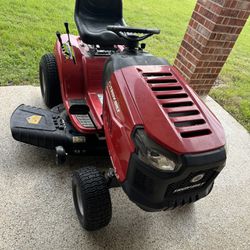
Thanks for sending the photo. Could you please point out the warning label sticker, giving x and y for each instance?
(34, 119)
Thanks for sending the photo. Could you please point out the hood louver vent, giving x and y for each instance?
(167, 88)
(185, 113)
(176, 102)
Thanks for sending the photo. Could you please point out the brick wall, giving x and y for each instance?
(211, 34)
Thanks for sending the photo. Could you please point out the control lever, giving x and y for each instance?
(67, 48)
(58, 34)
(66, 24)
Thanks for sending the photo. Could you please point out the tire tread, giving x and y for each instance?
(97, 207)
(53, 95)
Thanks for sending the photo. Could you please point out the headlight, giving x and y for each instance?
(152, 154)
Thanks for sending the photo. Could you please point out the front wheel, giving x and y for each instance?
(91, 198)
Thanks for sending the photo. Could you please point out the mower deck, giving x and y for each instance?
(49, 129)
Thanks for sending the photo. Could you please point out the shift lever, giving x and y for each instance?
(66, 24)
(58, 34)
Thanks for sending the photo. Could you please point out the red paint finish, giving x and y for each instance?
(154, 109)
(157, 98)
(81, 81)
(119, 122)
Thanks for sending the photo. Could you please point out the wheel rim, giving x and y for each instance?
(43, 84)
(79, 200)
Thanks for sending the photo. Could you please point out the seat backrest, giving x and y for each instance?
(103, 9)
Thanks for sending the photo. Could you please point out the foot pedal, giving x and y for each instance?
(81, 111)
(85, 121)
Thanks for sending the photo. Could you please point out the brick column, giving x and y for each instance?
(211, 34)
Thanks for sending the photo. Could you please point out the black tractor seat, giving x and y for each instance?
(92, 18)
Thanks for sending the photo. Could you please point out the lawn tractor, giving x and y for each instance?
(106, 94)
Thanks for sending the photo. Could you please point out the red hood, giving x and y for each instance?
(172, 114)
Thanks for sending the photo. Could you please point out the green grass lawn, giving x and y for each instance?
(27, 31)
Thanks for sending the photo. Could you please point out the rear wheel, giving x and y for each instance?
(49, 81)
(91, 198)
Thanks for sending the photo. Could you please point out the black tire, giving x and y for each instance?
(49, 81)
(91, 198)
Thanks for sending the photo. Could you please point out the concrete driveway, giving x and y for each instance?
(36, 208)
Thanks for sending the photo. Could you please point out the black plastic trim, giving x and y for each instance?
(151, 191)
(51, 131)
(126, 59)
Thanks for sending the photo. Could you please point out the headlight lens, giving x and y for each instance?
(152, 154)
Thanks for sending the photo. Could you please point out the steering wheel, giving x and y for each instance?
(128, 33)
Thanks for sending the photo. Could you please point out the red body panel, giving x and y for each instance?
(133, 98)
(159, 125)
(81, 81)
(119, 122)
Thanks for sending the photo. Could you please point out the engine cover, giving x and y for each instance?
(158, 99)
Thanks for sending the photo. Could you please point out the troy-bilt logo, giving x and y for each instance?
(188, 188)
(112, 93)
(197, 178)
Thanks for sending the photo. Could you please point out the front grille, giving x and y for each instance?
(186, 185)
(177, 104)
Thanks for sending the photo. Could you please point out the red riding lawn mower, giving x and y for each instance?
(106, 94)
